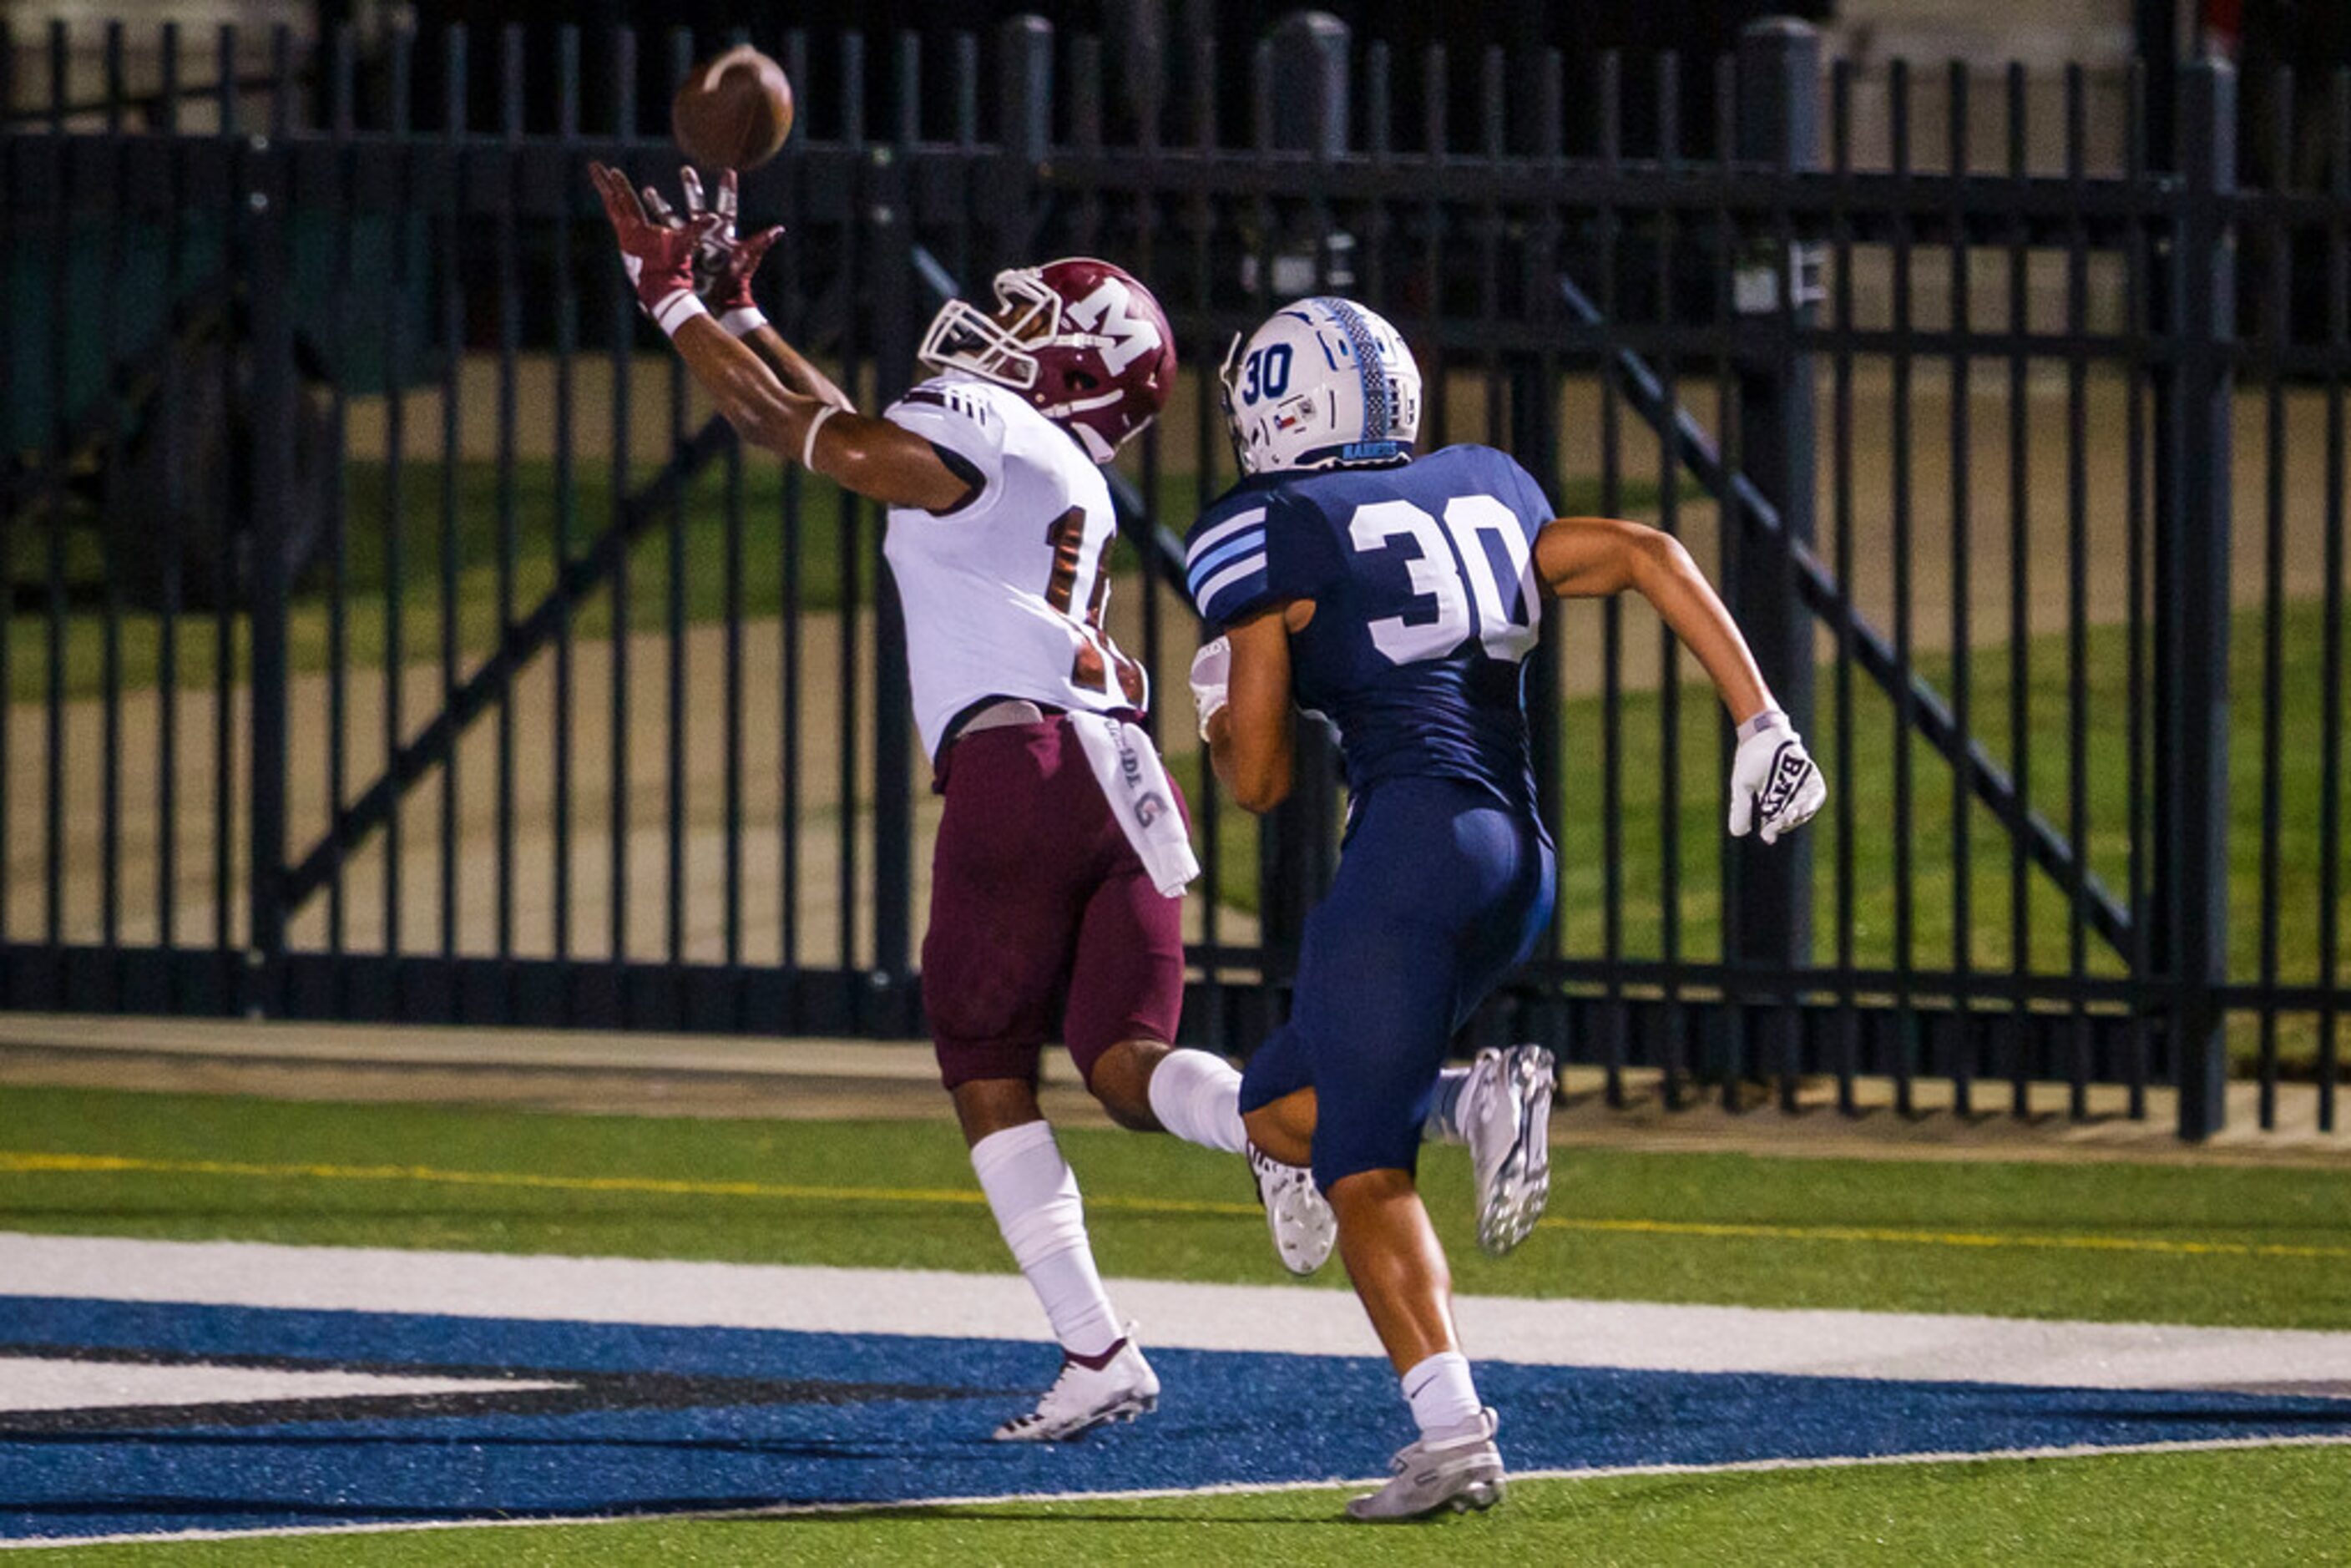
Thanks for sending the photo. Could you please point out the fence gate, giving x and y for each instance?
(392, 632)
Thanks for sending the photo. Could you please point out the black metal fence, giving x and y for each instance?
(391, 632)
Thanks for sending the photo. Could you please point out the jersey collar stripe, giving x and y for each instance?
(1239, 571)
(1253, 517)
(1252, 540)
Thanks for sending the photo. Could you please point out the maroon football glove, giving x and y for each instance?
(659, 256)
(723, 263)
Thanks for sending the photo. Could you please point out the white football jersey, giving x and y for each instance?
(1005, 595)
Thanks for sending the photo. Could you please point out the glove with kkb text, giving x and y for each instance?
(1774, 784)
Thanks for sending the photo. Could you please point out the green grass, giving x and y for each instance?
(1914, 1236)
(1923, 1227)
(2256, 1507)
(2036, 1211)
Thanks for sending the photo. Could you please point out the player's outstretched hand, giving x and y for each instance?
(658, 254)
(1774, 784)
(724, 264)
(1212, 671)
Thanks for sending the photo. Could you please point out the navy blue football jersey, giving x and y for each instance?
(1425, 606)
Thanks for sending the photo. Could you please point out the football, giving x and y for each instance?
(734, 111)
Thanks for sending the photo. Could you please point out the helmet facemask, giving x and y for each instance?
(963, 337)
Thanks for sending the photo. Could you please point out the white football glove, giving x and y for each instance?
(1212, 668)
(1774, 783)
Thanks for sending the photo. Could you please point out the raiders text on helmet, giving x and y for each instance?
(1324, 383)
(1083, 340)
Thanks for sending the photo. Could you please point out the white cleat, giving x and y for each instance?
(1084, 1398)
(1460, 1470)
(1507, 1116)
(1296, 1212)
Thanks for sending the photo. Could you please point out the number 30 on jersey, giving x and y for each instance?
(1444, 553)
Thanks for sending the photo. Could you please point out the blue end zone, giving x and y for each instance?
(679, 1419)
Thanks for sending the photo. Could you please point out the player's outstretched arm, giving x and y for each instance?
(1593, 558)
(1249, 736)
(871, 457)
(1773, 781)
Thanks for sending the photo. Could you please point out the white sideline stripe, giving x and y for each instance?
(1290, 1320)
(43, 1383)
(1223, 1489)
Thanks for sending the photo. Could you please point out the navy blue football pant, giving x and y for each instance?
(1441, 891)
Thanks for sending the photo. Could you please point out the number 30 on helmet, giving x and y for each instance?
(1322, 384)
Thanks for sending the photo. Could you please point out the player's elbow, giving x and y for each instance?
(1261, 794)
(1259, 782)
(1657, 556)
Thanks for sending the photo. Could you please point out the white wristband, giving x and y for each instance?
(1761, 722)
(807, 441)
(743, 320)
(678, 309)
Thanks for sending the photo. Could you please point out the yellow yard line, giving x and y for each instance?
(27, 1163)
(100, 1165)
(1943, 1237)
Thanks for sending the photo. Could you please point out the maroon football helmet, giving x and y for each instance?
(1081, 339)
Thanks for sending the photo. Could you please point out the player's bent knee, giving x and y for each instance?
(1120, 1078)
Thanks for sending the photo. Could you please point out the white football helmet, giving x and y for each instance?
(1323, 384)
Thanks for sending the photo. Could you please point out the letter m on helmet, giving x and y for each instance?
(1109, 312)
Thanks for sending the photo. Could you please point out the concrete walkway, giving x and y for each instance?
(692, 1075)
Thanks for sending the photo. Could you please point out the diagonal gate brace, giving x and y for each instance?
(1827, 599)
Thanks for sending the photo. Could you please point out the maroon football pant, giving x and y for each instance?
(1038, 905)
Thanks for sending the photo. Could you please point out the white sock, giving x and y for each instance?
(1444, 1122)
(1034, 1195)
(1441, 1394)
(1196, 1095)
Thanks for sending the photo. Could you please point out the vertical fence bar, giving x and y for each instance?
(1778, 124)
(851, 511)
(2192, 598)
(2330, 768)
(893, 756)
(167, 653)
(111, 654)
(675, 782)
(567, 500)
(1848, 1058)
(55, 151)
(2276, 335)
(509, 285)
(1905, 718)
(1963, 1039)
(2020, 621)
(1727, 1033)
(1616, 1032)
(1672, 1048)
(342, 84)
(8, 355)
(225, 588)
(453, 360)
(2077, 604)
(262, 244)
(2139, 325)
(621, 325)
(793, 593)
(395, 520)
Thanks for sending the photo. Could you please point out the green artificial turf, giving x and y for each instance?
(2076, 1241)
(2253, 1507)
